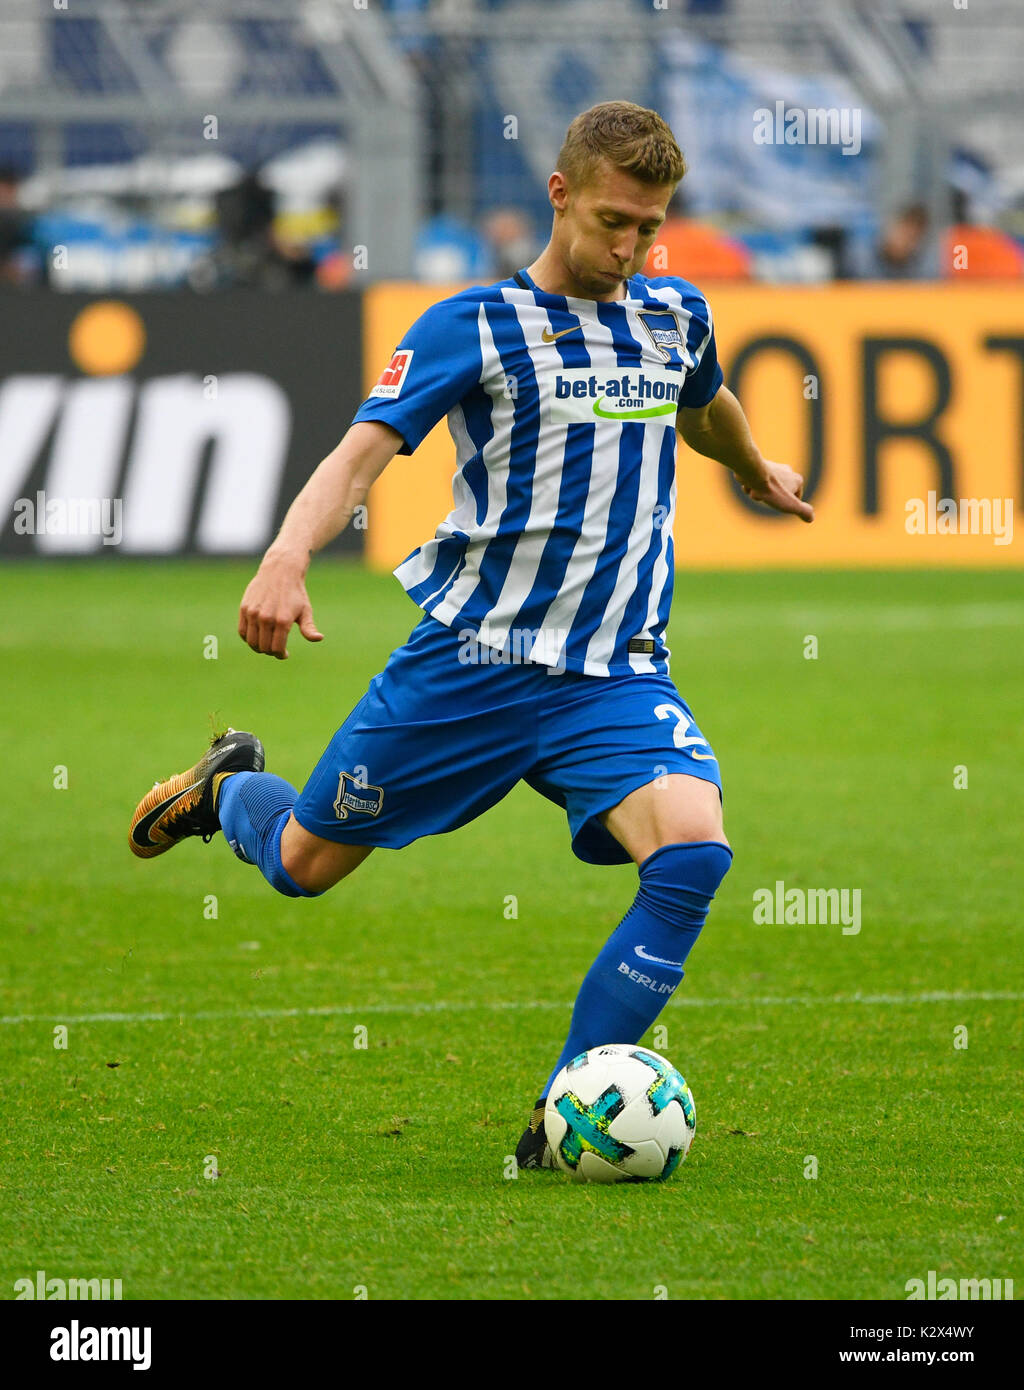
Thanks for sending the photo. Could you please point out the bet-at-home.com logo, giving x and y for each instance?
(579, 395)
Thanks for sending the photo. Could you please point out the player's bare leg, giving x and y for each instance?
(314, 863)
(674, 809)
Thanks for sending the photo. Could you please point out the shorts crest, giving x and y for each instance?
(356, 795)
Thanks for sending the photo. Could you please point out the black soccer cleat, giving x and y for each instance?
(533, 1150)
(187, 804)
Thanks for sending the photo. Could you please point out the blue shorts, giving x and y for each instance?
(446, 730)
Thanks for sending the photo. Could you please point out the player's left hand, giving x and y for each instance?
(781, 490)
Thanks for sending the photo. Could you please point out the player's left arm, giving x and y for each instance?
(719, 430)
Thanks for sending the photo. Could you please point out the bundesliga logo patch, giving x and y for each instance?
(393, 375)
(354, 795)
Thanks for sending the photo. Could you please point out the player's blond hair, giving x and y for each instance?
(632, 138)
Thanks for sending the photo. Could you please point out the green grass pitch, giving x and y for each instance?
(197, 1042)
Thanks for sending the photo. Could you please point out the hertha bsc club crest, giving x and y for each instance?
(663, 329)
(354, 795)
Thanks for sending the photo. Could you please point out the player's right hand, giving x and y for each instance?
(275, 599)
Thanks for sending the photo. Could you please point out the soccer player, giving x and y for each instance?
(541, 653)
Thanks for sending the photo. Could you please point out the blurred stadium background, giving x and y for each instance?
(216, 220)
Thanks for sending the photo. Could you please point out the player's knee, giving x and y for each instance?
(311, 882)
(289, 876)
(310, 865)
(691, 868)
(697, 818)
(313, 869)
(708, 831)
(304, 879)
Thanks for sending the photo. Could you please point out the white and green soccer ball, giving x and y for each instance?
(619, 1113)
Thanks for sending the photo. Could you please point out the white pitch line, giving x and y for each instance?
(358, 1010)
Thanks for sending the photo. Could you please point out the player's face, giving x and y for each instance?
(606, 227)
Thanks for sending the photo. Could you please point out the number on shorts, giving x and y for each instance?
(680, 738)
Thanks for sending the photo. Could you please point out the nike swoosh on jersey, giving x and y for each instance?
(657, 960)
(140, 831)
(549, 337)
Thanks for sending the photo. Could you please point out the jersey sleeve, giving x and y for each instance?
(437, 361)
(702, 384)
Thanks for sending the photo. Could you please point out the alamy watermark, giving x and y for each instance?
(967, 516)
(52, 1289)
(827, 907)
(69, 516)
(944, 1289)
(78, 1343)
(815, 125)
(503, 646)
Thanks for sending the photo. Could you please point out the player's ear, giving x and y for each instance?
(558, 191)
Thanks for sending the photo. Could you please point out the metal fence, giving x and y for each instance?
(379, 126)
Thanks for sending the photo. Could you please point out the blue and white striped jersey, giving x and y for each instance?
(562, 410)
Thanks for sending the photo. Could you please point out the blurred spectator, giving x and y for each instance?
(903, 249)
(832, 242)
(19, 265)
(248, 251)
(447, 251)
(695, 250)
(334, 270)
(983, 253)
(510, 236)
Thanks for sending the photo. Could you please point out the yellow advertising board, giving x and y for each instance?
(902, 405)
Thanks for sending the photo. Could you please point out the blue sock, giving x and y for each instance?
(641, 963)
(253, 809)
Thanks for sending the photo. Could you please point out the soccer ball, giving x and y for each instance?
(619, 1113)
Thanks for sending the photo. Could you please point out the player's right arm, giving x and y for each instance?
(437, 361)
(276, 597)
